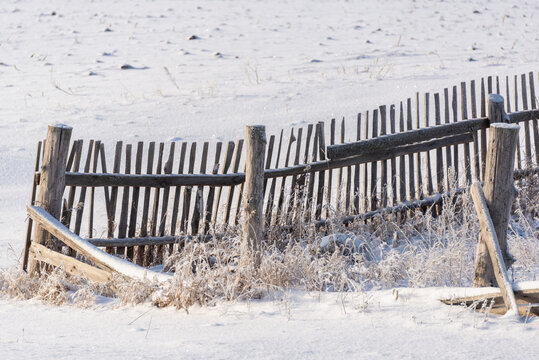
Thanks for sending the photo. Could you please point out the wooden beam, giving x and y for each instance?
(72, 266)
(97, 256)
(488, 236)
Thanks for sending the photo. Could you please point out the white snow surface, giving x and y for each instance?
(277, 63)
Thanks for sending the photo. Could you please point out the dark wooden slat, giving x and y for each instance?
(483, 132)
(366, 190)
(347, 180)
(104, 170)
(448, 153)
(527, 133)
(309, 201)
(393, 160)
(419, 175)
(271, 190)
(454, 107)
(95, 161)
(327, 192)
(280, 211)
(237, 160)
(177, 192)
(228, 161)
(427, 154)
(374, 166)
(198, 207)
(402, 161)
(518, 159)
(464, 113)
(157, 193)
(146, 204)
(187, 191)
(534, 121)
(138, 250)
(439, 154)
(383, 164)
(124, 210)
(167, 169)
(302, 179)
(72, 189)
(82, 195)
(476, 160)
(356, 190)
(411, 172)
(294, 193)
(211, 192)
(321, 173)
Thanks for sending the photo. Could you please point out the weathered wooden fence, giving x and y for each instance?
(147, 198)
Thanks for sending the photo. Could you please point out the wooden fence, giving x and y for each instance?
(148, 198)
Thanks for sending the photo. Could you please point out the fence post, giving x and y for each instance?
(498, 188)
(52, 180)
(253, 198)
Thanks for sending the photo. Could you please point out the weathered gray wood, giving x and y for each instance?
(464, 114)
(228, 162)
(483, 132)
(188, 190)
(237, 160)
(152, 240)
(177, 192)
(267, 189)
(294, 193)
(499, 194)
(146, 206)
(309, 199)
(137, 251)
(157, 195)
(476, 159)
(97, 256)
(113, 192)
(254, 196)
(356, 189)
(366, 169)
(383, 163)
(456, 148)
(419, 175)
(124, 209)
(402, 163)
(29, 228)
(322, 172)
(448, 153)
(198, 206)
(393, 160)
(71, 265)
(430, 188)
(97, 146)
(439, 154)
(211, 192)
(508, 100)
(280, 210)
(103, 170)
(327, 192)
(526, 125)
(373, 195)
(411, 172)
(489, 237)
(304, 180)
(408, 137)
(52, 180)
(535, 120)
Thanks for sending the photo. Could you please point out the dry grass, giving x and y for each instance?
(424, 250)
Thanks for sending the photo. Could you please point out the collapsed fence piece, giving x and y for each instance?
(489, 238)
(52, 183)
(253, 197)
(498, 188)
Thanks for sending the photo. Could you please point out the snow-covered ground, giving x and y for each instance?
(278, 63)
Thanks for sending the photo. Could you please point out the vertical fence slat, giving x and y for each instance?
(508, 107)
(82, 195)
(237, 159)
(271, 193)
(187, 191)
(527, 135)
(95, 161)
(177, 192)
(294, 190)
(483, 132)
(72, 189)
(477, 166)
(439, 154)
(533, 103)
(321, 174)
(198, 207)
(411, 172)
(427, 153)
(464, 113)
(211, 192)
(124, 211)
(419, 175)
(146, 203)
(454, 107)
(448, 154)
(393, 160)
(356, 191)
(374, 166)
(114, 192)
(167, 169)
(228, 161)
(327, 195)
(366, 196)
(383, 163)
(137, 251)
(402, 162)
(280, 211)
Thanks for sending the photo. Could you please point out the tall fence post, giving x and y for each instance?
(52, 181)
(253, 198)
(498, 188)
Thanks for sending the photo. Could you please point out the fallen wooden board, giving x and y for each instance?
(91, 252)
(527, 301)
(72, 266)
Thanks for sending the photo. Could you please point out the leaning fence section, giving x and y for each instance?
(141, 201)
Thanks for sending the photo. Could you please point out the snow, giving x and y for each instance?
(275, 63)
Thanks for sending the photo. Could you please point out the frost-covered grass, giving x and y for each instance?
(420, 250)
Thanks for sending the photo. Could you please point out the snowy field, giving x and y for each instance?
(277, 63)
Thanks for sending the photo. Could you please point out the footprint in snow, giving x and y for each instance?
(130, 67)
